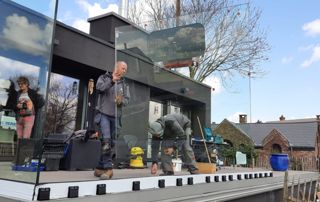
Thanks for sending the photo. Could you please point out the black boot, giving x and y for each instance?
(167, 173)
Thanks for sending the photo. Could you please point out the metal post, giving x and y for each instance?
(309, 192)
(304, 190)
(285, 187)
(292, 188)
(298, 189)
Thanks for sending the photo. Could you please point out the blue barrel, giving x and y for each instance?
(279, 162)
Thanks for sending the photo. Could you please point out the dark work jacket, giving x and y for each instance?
(174, 126)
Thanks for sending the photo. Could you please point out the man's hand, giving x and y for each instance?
(115, 77)
(154, 169)
(119, 99)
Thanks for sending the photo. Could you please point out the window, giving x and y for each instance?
(276, 148)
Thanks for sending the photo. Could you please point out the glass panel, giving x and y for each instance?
(153, 55)
(62, 105)
(26, 30)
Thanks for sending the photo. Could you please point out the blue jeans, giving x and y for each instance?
(107, 128)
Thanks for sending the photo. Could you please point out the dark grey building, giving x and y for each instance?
(83, 56)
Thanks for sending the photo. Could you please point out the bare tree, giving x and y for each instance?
(234, 42)
(61, 109)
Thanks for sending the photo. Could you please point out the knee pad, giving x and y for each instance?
(106, 148)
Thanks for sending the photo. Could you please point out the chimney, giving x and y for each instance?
(282, 118)
(318, 117)
(242, 118)
(103, 26)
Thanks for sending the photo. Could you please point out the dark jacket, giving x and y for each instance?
(176, 126)
(36, 99)
(106, 90)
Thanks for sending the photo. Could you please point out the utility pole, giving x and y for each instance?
(250, 98)
(178, 12)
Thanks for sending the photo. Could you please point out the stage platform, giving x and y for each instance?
(60, 185)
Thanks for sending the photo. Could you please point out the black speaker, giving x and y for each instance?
(81, 155)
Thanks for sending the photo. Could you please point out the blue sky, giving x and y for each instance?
(290, 87)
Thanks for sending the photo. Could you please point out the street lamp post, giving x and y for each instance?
(250, 107)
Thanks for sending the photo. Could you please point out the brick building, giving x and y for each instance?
(298, 138)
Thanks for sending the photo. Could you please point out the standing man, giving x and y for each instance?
(113, 94)
(173, 131)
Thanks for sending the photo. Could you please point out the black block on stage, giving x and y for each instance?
(43, 194)
(179, 181)
(190, 180)
(239, 177)
(101, 189)
(216, 178)
(271, 174)
(136, 185)
(224, 178)
(230, 178)
(260, 175)
(246, 176)
(73, 192)
(81, 155)
(256, 175)
(265, 174)
(161, 183)
(208, 180)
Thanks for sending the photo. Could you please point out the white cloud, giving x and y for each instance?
(312, 28)
(96, 9)
(286, 60)
(235, 117)
(215, 83)
(10, 67)
(82, 25)
(306, 48)
(25, 36)
(91, 10)
(314, 58)
(4, 84)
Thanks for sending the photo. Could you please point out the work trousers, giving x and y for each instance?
(183, 147)
(107, 128)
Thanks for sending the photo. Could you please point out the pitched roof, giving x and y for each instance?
(299, 134)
